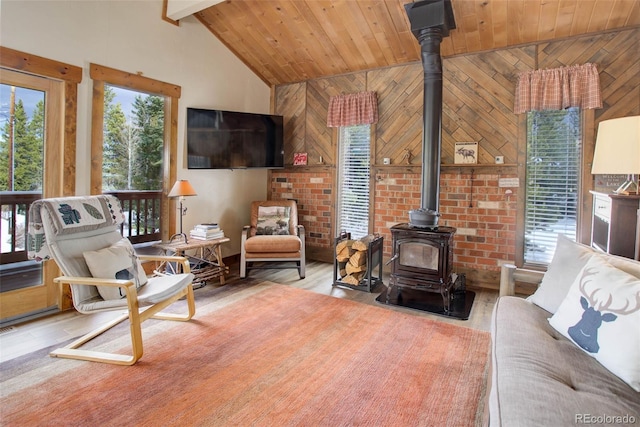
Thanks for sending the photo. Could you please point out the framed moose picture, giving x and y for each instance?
(465, 153)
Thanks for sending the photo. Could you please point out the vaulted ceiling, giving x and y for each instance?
(286, 41)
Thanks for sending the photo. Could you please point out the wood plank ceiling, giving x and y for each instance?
(286, 41)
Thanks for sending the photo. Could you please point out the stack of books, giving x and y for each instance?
(206, 232)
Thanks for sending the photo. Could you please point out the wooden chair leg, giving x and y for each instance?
(72, 350)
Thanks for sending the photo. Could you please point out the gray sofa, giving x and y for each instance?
(542, 378)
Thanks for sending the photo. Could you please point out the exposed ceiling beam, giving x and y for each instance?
(178, 9)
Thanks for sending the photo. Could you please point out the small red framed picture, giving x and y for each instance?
(299, 159)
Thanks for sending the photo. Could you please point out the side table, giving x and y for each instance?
(205, 257)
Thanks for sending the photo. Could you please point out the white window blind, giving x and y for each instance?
(353, 180)
(552, 182)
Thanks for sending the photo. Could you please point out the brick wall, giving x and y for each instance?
(313, 193)
(395, 195)
(485, 217)
(483, 213)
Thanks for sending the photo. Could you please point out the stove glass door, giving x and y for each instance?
(419, 255)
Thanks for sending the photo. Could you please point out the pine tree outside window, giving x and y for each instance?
(132, 155)
(133, 140)
(22, 141)
(554, 150)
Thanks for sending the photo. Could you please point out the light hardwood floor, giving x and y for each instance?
(55, 329)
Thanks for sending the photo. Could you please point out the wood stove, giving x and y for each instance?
(422, 250)
(422, 275)
(423, 259)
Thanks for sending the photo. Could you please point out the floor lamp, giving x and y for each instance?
(181, 189)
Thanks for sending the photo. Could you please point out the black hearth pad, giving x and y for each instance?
(429, 301)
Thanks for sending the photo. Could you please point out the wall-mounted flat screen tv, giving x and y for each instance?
(219, 139)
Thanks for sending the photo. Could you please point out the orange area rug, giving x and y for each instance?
(279, 357)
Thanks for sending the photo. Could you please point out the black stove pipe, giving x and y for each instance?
(430, 39)
(430, 21)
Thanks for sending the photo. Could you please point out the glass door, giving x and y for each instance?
(27, 119)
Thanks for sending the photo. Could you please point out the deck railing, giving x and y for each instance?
(142, 214)
(141, 209)
(15, 210)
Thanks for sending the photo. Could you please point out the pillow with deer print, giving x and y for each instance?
(601, 314)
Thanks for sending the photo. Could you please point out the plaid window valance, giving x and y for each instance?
(353, 109)
(558, 88)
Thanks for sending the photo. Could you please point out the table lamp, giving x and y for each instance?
(181, 189)
(618, 151)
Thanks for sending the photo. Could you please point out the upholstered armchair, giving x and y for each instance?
(274, 239)
(82, 235)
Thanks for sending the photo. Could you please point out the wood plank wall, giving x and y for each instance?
(478, 104)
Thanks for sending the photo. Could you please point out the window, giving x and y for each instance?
(132, 158)
(133, 131)
(552, 181)
(353, 180)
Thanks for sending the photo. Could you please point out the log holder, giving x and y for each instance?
(371, 279)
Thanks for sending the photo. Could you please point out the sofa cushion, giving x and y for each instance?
(568, 260)
(627, 265)
(540, 378)
(601, 314)
(117, 261)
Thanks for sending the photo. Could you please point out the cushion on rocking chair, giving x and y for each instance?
(118, 261)
(159, 288)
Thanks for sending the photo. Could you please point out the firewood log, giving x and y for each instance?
(358, 258)
(359, 246)
(343, 256)
(343, 250)
(350, 268)
(353, 279)
(343, 244)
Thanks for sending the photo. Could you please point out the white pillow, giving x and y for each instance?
(115, 262)
(601, 314)
(568, 260)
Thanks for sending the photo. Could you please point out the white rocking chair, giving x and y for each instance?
(82, 235)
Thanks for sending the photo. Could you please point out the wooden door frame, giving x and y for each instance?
(59, 176)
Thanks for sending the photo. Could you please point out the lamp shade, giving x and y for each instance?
(618, 147)
(182, 188)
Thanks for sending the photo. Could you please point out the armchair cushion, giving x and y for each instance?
(292, 213)
(273, 220)
(264, 245)
(117, 261)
